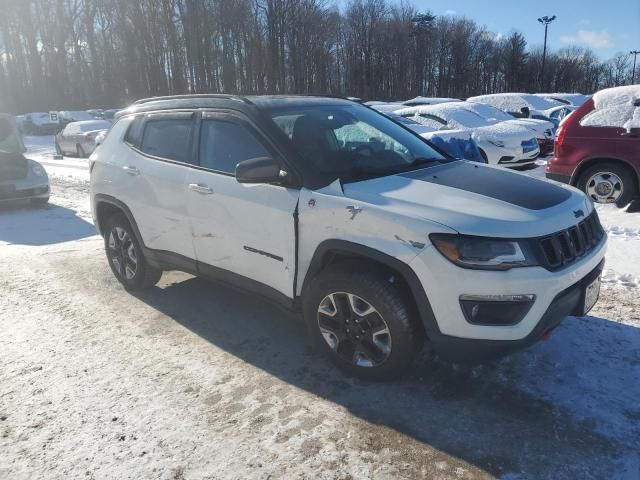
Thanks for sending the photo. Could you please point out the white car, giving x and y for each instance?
(375, 239)
(544, 130)
(80, 138)
(500, 144)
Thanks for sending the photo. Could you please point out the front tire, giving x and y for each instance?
(362, 322)
(125, 255)
(608, 183)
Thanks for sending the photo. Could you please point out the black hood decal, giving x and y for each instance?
(501, 184)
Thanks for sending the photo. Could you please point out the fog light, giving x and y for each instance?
(496, 309)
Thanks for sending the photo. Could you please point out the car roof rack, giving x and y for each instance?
(190, 97)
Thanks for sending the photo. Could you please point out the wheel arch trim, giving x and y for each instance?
(358, 251)
(101, 198)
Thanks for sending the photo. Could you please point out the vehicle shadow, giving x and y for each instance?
(514, 417)
(22, 224)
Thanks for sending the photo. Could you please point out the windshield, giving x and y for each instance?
(351, 142)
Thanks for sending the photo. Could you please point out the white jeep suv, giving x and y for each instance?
(381, 240)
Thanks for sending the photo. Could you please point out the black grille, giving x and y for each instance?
(566, 246)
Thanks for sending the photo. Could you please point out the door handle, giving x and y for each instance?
(200, 188)
(131, 170)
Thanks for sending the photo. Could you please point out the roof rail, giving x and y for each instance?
(187, 97)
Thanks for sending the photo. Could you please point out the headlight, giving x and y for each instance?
(38, 170)
(497, 143)
(482, 253)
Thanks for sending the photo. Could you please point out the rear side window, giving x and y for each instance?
(224, 144)
(167, 138)
(134, 134)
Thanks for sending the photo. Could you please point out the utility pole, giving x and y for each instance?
(545, 21)
(633, 73)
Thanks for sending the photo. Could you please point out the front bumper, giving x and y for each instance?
(453, 336)
(23, 192)
(567, 302)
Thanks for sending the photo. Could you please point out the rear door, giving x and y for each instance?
(154, 179)
(245, 229)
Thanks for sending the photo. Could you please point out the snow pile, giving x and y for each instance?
(615, 107)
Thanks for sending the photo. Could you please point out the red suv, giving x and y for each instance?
(603, 162)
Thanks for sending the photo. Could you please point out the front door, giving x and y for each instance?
(248, 230)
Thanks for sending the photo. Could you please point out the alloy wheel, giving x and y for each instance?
(604, 187)
(354, 329)
(123, 253)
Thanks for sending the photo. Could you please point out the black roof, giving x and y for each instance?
(178, 102)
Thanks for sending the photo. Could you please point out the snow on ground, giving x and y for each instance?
(192, 380)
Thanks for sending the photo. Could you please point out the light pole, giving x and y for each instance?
(545, 21)
(633, 73)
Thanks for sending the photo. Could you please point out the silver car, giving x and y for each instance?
(20, 178)
(79, 138)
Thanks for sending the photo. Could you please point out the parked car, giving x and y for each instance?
(457, 143)
(378, 240)
(558, 114)
(571, 99)
(20, 178)
(109, 114)
(598, 147)
(519, 105)
(41, 123)
(79, 138)
(67, 117)
(510, 146)
(544, 130)
(98, 113)
(384, 107)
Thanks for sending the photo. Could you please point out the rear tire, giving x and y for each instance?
(58, 149)
(80, 152)
(362, 322)
(608, 183)
(125, 255)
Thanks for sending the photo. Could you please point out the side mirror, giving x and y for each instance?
(259, 170)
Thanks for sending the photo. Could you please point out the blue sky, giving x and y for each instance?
(607, 26)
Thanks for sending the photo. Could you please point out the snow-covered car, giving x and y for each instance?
(572, 99)
(543, 129)
(41, 123)
(20, 178)
(457, 143)
(375, 238)
(598, 147)
(520, 105)
(558, 114)
(79, 138)
(499, 143)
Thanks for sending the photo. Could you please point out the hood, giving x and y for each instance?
(511, 135)
(476, 199)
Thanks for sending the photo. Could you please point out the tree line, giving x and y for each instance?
(73, 54)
